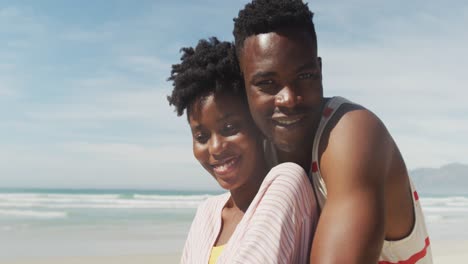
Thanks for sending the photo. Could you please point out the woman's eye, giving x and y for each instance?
(230, 129)
(201, 138)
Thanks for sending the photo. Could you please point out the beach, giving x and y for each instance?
(134, 226)
(132, 259)
(443, 252)
(447, 252)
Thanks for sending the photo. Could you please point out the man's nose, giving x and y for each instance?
(287, 97)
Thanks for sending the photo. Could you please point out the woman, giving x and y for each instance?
(266, 217)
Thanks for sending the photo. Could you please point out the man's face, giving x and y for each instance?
(283, 80)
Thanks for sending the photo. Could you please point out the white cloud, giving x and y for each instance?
(110, 124)
(4, 67)
(8, 87)
(411, 74)
(138, 105)
(20, 20)
(135, 153)
(10, 13)
(81, 35)
(102, 165)
(419, 151)
(146, 64)
(5, 91)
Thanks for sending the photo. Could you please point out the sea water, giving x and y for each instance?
(40, 222)
(44, 223)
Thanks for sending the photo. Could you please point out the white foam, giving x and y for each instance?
(429, 201)
(173, 197)
(34, 214)
(111, 201)
(445, 205)
(446, 209)
(430, 218)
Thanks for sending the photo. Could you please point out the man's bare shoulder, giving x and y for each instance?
(355, 119)
(357, 141)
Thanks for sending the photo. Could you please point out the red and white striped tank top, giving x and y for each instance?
(412, 249)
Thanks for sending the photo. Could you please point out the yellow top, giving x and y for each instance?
(215, 252)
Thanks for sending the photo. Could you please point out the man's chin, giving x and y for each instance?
(287, 147)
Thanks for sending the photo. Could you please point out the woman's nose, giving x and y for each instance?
(216, 145)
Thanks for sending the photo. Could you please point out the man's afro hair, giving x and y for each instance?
(263, 16)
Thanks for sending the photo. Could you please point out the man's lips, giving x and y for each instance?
(225, 166)
(287, 120)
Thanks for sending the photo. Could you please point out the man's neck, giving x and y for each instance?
(301, 157)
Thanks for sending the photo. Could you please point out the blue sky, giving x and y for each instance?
(82, 84)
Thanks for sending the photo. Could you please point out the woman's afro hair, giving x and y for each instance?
(209, 67)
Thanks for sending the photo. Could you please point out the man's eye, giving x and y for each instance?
(264, 83)
(266, 86)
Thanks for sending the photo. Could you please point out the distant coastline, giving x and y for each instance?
(450, 179)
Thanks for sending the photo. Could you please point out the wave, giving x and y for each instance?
(448, 209)
(173, 197)
(34, 214)
(111, 201)
(23, 201)
(450, 201)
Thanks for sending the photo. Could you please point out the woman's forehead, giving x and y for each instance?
(218, 105)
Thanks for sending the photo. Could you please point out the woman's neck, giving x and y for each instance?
(242, 197)
(239, 202)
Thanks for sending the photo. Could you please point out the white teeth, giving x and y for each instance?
(224, 166)
(287, 121)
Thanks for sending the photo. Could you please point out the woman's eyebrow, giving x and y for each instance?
(226, 116)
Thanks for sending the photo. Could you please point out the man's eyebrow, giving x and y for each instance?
(307, 66)
(262, 74)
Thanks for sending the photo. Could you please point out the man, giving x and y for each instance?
(370, 212)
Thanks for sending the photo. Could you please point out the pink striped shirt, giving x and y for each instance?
(277, 227)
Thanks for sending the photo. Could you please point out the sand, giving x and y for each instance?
(444, 252)
(450, 252)
(140, 259)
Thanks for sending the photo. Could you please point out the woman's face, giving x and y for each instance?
(225, 140)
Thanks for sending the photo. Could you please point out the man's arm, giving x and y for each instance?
(354, 166)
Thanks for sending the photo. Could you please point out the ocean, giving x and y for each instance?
(45, 223)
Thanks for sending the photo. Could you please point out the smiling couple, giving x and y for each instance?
(310, 179)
